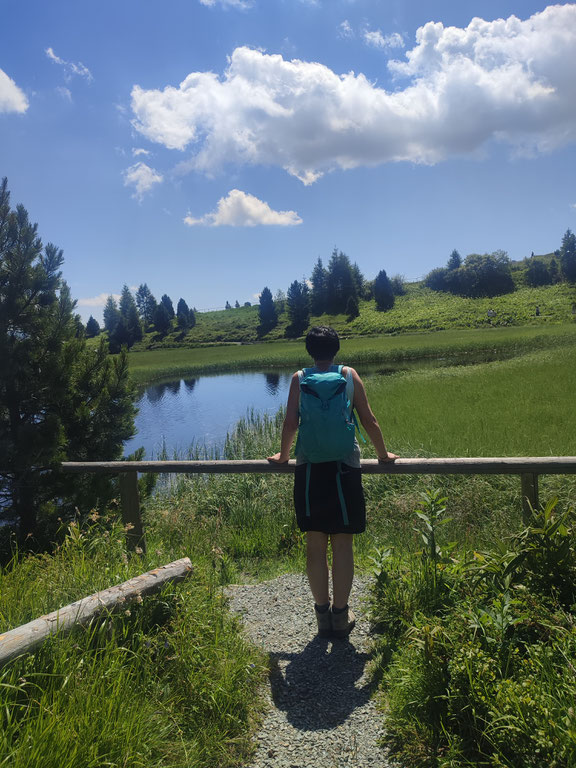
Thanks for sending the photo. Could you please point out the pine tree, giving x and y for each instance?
(340, 283)
(162, 321)
(129, 314)
(266, 312)
(146, 304)
(383, 293)
(46, 403)
(298, 303)
(166, 302)
(568, 256)
(352, 308)
(454, 261)
(92, 328)
(183, 314)
(318, 295)
(111, 315)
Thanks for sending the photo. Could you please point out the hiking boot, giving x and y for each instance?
(324, 620)
(343, 622)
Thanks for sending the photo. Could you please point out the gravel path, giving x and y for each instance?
(320, 713)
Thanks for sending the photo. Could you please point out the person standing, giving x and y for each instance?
(328, 494)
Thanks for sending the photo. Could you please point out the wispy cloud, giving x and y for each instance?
(241, 4)
(69, 67)
(137, 152)
(12, 98)
(240, 209)
(142, 178)
(506, 80)
(345, 30)
(376, 39)
(97, 301)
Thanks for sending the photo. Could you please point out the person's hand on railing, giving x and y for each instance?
(388, 458)
(278, 459)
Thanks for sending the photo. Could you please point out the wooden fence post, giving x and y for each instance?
(131, 511)
(529, 494)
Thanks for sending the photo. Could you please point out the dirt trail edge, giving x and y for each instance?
(320, 712)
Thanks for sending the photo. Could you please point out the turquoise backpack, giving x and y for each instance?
(327, 425)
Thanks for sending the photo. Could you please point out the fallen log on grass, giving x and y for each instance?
(28, 637)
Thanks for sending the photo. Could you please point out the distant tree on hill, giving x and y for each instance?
(568, 256)
(166, 302)
(298, 304)
(537, 273)
(454, 260)
(383, 293)
(247, 304)
(436, 279)
(359, 281)
(340, 283)
(398, 283)
(92, 328)
(182, 314)
(352, 308)
(59, 398)
(129, 314)
(280, 301)
(319, 289)
(111, 314)
(485, 275)
(162, 321)
(266, 312)
(554, 271)
(146, 304)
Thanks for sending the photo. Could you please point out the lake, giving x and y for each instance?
(202, 410)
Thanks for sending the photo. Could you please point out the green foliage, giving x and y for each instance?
(167, 681)
(568, 256)
(319, 288)
(341, 282)
(479, 678)
(166, 302)
(162, 321)
(537, 273)
(266, 312)
(352, 308)
(298, 304)
(146, 304)
(383, 292)
(92, 328)
(54, 389)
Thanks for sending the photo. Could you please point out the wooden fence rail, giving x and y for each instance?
(30, 636)
(529, 469)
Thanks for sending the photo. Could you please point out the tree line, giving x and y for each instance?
(491, 274)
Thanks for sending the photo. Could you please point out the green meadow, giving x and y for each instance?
(473, 611)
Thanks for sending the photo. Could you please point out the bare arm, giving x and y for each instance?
(368, 420)
(290, 426)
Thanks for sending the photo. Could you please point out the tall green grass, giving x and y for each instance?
(168, 681)
(150, 365)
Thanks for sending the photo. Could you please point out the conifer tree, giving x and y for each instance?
(92, 328)
(340, 283)
(298, 303)
(383, 293)
(182, 314)
(50, 381)
(166, 302)
(111, 315)
(318, 294)
(146, 304)
(568, 256)
(129, 314)
(266, 312)
(162, 321)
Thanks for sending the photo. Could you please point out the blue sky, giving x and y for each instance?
(211, 147)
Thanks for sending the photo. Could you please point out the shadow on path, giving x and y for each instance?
(318, 688)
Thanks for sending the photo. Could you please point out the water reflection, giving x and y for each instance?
(190, 384)
(272, 382)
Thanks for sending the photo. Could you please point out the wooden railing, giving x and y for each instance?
(528, 468)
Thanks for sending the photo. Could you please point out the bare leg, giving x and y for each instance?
(317, 566)
(342, 567)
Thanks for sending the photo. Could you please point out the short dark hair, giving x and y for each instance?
(322, 342)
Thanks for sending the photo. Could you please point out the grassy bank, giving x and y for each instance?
(420, 309)
(154, 365)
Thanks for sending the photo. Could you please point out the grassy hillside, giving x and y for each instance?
(421, 309)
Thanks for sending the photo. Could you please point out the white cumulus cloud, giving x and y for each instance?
(240, 209)
(142, 178)
(509, 80)
(12, 98)
(69, 67)
(97, 301)
(376, 39)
